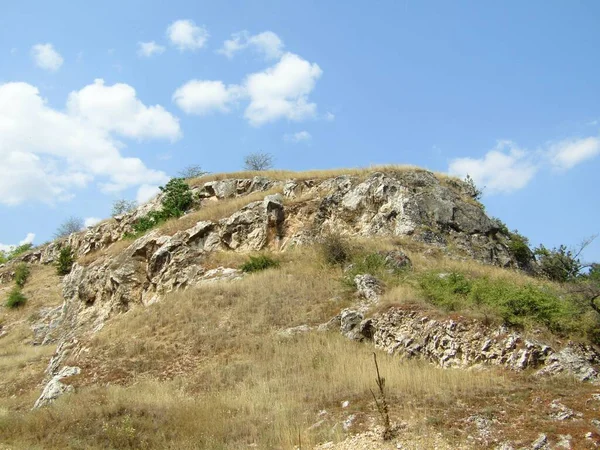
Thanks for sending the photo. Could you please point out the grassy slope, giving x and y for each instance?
(206, 369)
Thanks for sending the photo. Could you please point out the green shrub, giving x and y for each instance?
(21, 274)
(15, 299)
(19, 250)
(258, 263)
(335, 249)
(176, 201)
(177, 198)
(3, 257)
(515, 305)
(519, 248)
(65, 261)
(558, 264)
(372, 263)
(447, 290)
(475, 192)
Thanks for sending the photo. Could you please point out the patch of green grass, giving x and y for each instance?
(15, 299)
(523, 306)
(21, 274)
(258, 263)
(374, 264)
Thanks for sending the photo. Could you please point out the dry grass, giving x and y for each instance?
(43, 288)
(22, 364)
(21, 367)
(213, 211)
(206, 368)
(282, 175)
(265, 398)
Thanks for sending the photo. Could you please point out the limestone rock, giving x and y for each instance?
(461, 343)
(368, 287)
(55, 387)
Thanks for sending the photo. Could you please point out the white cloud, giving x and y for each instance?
(46, 57)
(568, 153)
(300, 136)
(504, 169)
(329, 116)
(91, 221)
(146, 192)
(117, 109)
(281, 91)
(149, 49)
(266, 43)
(186, 35)
(46, 153)
(27, 240)
(278, 92)
(238, 42)
(203, 96)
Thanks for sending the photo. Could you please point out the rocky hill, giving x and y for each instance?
(171, 334)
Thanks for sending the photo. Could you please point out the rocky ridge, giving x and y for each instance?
(413, 203)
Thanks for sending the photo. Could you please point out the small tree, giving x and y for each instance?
(177, 199)
(258, 161)
(475, 192)
(519, 247)
(123, 206)
(65, 261)
(192, 171)
(21, 274)
(558, 264)
(15, 299)
(68, 227)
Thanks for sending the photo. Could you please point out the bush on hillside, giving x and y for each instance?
(16, 299)
(335, 249)
(475, 192)
(516, 305)
(558, 264)
(519, 248)
(21, 274)
(177, 198)
(65, 261)
(258, 263)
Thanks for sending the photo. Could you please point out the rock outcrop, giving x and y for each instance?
(464, 343)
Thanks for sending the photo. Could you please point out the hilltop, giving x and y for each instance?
(242, 310)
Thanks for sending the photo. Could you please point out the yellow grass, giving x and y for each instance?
(206, 368)
(282, 175)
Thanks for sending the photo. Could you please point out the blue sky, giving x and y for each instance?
(107, 100)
